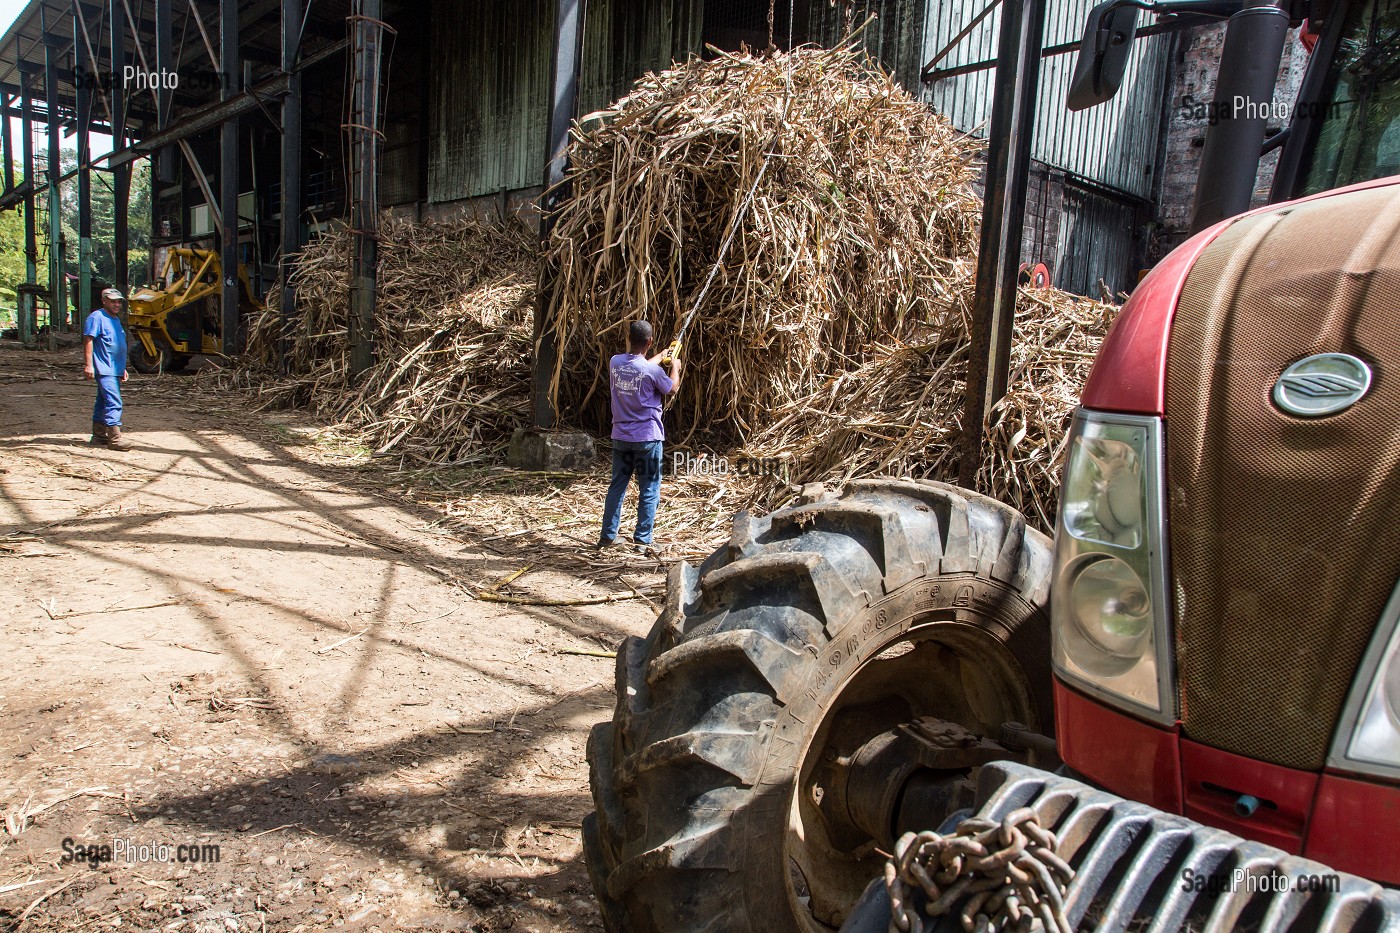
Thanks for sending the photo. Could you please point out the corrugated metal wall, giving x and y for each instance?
(402, 164)
(1115, 145)
(624, 39)
(1096, 243)
(490, 87)
(490, 93)
(895, 36)
(491, 64)
(1113, 150)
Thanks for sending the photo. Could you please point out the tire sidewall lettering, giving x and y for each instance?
(881, 624)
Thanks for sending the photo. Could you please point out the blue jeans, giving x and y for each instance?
(643, 460)
(108, 407)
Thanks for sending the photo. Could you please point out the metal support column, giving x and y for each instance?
(568, 52)
(83, 107)
(166, 158)
(8, 144)
(1009, 138)
(291, 170)
(364, 167)
(9, 157)
(121, 174)
(58, 293)
(28, 309)
(1244, 94)
(228, 174)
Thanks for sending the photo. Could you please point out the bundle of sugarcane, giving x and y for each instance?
(452, 337)
(317, 348)
(902, 412)
(850, 212)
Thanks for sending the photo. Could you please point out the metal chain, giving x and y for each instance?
(997, 876)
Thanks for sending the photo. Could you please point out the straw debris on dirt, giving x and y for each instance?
(452, 338)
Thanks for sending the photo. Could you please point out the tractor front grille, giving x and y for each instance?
(1284, 531)
(1138, 868)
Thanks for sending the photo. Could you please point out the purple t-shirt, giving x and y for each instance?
(637, 389)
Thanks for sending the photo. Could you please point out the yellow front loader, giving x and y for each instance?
(180, 317)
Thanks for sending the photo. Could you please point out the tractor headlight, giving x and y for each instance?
(1110, 609)
(1109, 601)
(1369, 737)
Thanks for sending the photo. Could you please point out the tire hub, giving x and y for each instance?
(862, 796)
(896, 751)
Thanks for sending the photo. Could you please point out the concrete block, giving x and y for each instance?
(548, 450)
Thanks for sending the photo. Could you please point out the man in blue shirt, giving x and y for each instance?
(104, 362)
(638, 386)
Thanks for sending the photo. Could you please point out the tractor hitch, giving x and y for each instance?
(890, 783)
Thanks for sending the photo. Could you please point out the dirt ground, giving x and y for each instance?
(235, 637)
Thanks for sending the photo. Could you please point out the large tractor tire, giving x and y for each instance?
(813, 630)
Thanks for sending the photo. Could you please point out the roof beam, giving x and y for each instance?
(192, 124)
(195, 123)
(80, 28)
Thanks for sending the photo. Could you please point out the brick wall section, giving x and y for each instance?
(1045, 202)
(1198, 58)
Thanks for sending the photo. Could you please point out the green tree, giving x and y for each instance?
(104, 253)
(139, 224)
(12, 260)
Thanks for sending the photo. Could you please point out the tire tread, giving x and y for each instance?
(698, 698)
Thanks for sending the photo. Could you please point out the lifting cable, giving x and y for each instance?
(770, 151)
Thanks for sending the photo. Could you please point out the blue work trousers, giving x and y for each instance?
(108, 408)
(641, 459)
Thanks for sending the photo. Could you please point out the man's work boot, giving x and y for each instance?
(114, 438)
(99, 434)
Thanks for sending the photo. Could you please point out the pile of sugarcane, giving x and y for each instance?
(848, 204)
(452, 338)
(902, 412)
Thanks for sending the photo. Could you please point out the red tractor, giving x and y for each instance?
(1195, 687)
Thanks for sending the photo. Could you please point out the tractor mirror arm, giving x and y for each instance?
(1109, 32)
(1219, 9)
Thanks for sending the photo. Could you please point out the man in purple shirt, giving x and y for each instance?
(638, 386)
